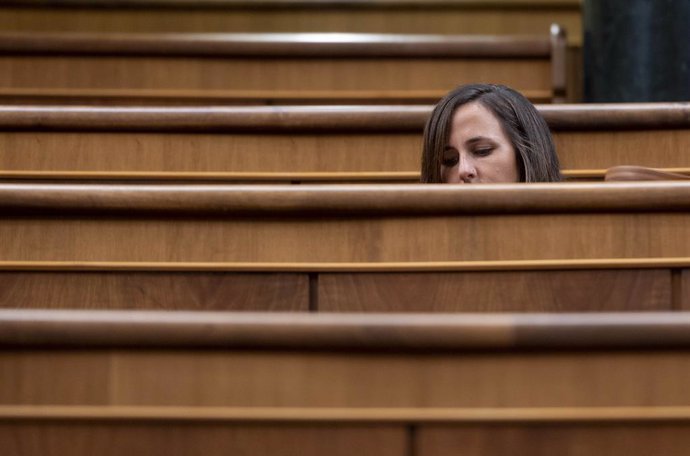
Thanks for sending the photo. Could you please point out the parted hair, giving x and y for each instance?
(527, 130)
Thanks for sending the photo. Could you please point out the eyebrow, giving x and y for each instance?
(477, 139)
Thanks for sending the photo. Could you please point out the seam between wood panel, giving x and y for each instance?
(313, 292)
(411, 440)
(676, 289)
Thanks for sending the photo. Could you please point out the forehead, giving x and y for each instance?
(474, 119)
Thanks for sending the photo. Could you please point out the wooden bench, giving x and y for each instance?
(307, 143)
(431, 248)
(277, 68)
(218, 383)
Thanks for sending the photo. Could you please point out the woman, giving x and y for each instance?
(484, 133)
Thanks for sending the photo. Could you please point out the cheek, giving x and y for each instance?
(504, 166)
(449, 175)
(511, 167)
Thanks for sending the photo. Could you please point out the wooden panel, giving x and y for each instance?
(355, 151)
(525, 291)
(451, 19)
(70, 438)
(604, 149)
(682, 282)
(155, 290)
(259, 152)
(354, 239)
(631, 439)
(225, 73)
(395, 152)
(64, 378)
(459, 378)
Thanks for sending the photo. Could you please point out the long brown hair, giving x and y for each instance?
(527, 130)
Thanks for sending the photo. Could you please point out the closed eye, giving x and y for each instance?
(483, 151)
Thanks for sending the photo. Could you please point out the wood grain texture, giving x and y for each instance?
(226, 98)
(601, 378)
(682, 281)
(341, 415)
(69, 438)
(379, 17)
(284, 45)
(358, 238)
(354, 240)
(417, 333)
(314, 4)
(537, 291)
(260, 152)
(305, 140)
(300, 75)
(244, 202)
(636, 439)
(607, 149)
(353, 118)
(155, 290)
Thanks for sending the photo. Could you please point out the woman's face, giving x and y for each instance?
(478, 150)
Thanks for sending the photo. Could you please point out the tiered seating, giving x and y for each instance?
(542, 247)
(447, 17)
(218, 383)
(313, 319)
(275, 68)
(305, 144)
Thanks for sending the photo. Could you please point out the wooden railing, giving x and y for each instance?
(275, 68)
(123, 381)
(305, 144)
(498, 17)
(552, 247)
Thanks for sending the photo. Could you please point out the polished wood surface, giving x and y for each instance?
(682, 289)
(431, 363)
(156, 290)
(641, 173)
(562, 117)
(460, 379)
(308, 143)
(153, 286)
(357, 224)
(84, 329)
(446, 17)
(170, 4)
(344, 248)
(333, 415)
(247, 202)
(636, 439)
(70, 379)
(510, 291)
(370, 64)
(154, 438)
(266, 45)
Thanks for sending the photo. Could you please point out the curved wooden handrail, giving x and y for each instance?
(573, 117)
(324, 45)
(218, 119)
(337, 200)
(332, 331)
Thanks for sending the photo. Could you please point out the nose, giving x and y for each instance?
(467, 172)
